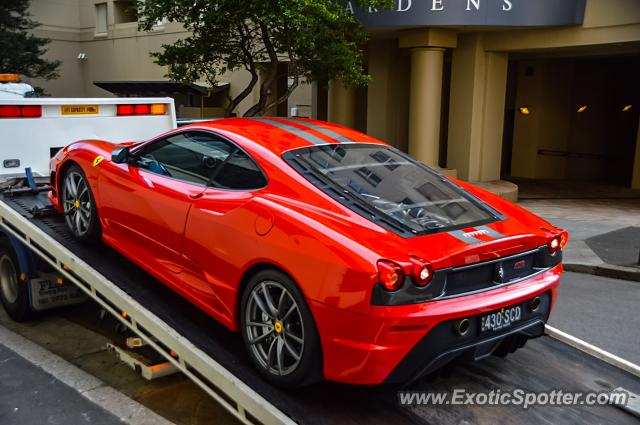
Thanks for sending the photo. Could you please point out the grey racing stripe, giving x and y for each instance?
(490, 232)
(323, 130)
(303, 134)
(465, 237)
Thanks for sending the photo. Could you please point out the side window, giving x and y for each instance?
(202, 158)
(240, 172)
(190, 156)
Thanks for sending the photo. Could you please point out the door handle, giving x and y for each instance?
(195, 195)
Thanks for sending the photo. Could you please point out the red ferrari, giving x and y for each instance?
(334, 254)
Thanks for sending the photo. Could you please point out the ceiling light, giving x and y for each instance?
(524, 110)
(627, 108)
(582, 108)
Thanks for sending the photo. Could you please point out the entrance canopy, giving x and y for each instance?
(157, 88)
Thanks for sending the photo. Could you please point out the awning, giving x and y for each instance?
(157, 88)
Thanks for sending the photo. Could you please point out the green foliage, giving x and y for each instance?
(319, 39)
(20, 51)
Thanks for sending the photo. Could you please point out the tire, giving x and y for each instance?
(79, 205)
(275, 330)
(14, 293)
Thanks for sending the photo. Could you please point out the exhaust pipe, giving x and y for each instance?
(534, 304)
(462, 326)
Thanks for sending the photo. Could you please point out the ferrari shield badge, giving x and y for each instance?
(98, 160)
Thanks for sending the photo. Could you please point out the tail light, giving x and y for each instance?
(422, 271)
(32, 111)
(142, 109)
(558, 242)
(126, 109)
(158, 109)
(20, 111)
(390, 275)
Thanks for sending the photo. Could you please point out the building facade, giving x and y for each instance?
(485, 89)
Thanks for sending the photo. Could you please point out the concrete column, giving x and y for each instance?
(342, 104)
(425, 103)
(635, 181)
(476, 112)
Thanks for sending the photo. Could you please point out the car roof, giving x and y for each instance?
(279, 134)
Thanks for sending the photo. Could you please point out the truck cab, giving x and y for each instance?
(12, 88)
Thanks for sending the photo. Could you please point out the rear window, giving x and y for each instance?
(391, 188)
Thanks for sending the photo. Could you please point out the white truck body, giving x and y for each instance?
(30, 142)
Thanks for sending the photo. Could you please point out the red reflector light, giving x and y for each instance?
(32, 111)
(16, 111)
(9, 111)
(390, 275)
(125, 109)
(422, 271)
(142, 109)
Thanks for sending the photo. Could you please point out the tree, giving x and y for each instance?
(319, 39)
(20, 51)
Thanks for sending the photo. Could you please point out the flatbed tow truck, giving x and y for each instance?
(58, 270)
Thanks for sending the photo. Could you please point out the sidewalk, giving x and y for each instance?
(38, 387)
(32, 396)
(604, 234)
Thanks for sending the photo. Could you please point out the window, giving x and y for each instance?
(101, 18)
(240, 172)
(125, 11)
(389, 187)
(202, 158)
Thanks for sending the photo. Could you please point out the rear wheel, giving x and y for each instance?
(79, 206)
(279, 332)
(14, 292)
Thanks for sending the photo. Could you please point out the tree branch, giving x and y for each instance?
(259, 108)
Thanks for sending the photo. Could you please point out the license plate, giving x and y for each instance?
(80, 109)
(47, 293)
(502, 319)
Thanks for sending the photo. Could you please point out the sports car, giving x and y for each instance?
(335, 255)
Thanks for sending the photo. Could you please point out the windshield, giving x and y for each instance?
(391, 185)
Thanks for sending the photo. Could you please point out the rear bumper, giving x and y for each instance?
(397, 344)
(442, 344)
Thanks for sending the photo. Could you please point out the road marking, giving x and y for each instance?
(591, 349)
(90, 387)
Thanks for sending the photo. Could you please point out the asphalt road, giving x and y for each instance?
(604, 312)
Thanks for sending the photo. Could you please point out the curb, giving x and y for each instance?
(126, 409)
(606, 270)
(594, 351)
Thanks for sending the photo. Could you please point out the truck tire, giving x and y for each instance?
(79, 205)
(279, 332)
(14, 292)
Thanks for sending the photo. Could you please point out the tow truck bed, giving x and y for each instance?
(214, 357)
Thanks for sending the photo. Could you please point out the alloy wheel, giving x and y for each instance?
(77, 203)
(273, 324)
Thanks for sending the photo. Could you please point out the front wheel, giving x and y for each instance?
(279, 332)
(79, 206)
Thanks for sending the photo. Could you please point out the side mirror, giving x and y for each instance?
(120, 155)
